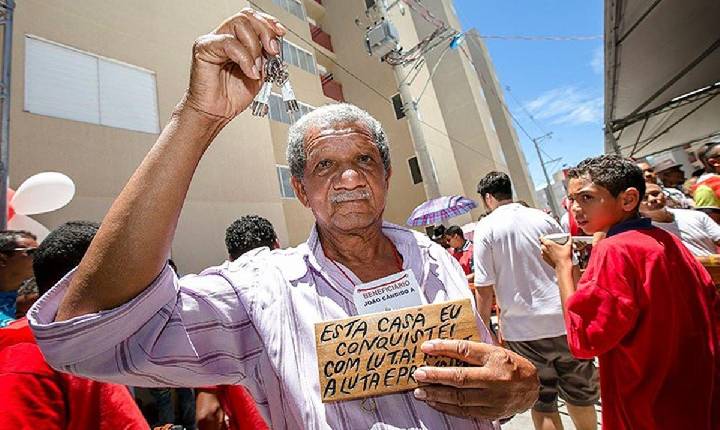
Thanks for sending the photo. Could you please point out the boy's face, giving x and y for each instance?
(595, 209)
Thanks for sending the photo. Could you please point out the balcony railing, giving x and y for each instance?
(332, 88)
(320, 37)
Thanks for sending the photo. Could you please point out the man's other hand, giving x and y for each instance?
(499, 383)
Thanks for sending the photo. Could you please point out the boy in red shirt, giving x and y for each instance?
(36, 396)
(645, 306)
(462, 248)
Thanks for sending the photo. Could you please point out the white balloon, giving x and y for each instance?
(44, 192)
(24, 222)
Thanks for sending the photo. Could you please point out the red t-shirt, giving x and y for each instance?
(464, 256)
(649, 310)
(239, 407)
(35, 396)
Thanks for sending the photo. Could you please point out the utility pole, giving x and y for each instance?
(427, 169)
(549, 193)
(6, 10)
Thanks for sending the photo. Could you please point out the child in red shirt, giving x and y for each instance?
(36, 396)
(645, 306)
(462, 250)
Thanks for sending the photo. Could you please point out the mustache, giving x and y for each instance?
(347, 196)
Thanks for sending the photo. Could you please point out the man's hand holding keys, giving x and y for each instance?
(227, 64)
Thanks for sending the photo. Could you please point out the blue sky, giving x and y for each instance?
(559, 82)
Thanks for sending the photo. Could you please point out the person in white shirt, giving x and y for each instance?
(697, 231)
(507, 260)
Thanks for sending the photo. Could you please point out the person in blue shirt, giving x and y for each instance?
(16, 250)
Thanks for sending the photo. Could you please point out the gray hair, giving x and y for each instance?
(328, 116)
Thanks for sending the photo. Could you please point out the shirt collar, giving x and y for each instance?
(505, 206)
(638, 223)
(411, 246)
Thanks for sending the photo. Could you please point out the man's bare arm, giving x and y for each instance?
(484, 298)
(133, 242)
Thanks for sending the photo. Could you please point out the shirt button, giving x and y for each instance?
(368, 405)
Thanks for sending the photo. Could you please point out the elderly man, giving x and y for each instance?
(124, 316)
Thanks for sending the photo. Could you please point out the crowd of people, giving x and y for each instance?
(639, 285)
(108, 316)
(38, 396)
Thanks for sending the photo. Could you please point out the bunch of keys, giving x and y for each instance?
(274, 72)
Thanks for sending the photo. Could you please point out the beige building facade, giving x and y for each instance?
(94, 82)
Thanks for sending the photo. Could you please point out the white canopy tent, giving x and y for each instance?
(662, 74)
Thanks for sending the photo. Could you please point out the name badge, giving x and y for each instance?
(397, 291)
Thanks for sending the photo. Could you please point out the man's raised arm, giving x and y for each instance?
(224, 79)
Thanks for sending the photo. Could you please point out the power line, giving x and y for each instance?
(532, 118)
(522, 106)
(385, 98)
(460, 143)
(497, 96)
(541, 38)
(345, 69)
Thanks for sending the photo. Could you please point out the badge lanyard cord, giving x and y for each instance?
(396, 254)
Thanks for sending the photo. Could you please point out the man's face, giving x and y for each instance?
(648, 172)
(345, 182)
(594, 208)
(672, 177)
(454, 241)
(18, 264)
(713, 159)
(654, 199)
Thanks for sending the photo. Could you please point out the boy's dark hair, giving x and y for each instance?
(497, 184)
(9, 239)
(247, 233)
(61, 251)
(612, 172)
(454, 230)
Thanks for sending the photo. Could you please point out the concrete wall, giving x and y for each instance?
(504, 127)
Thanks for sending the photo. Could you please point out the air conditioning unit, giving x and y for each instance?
(381, 38)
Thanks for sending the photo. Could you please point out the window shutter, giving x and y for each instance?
(60, 82)
(128, 97)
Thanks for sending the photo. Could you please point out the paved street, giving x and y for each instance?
(524, 421)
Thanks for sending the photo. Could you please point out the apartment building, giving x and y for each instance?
(94, 83)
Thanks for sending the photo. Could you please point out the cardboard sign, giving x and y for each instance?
(378, 353)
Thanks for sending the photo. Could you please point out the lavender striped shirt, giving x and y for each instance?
(249, 322)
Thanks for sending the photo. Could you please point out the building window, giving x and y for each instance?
(293, 54)
(398, 106)
(415, 170)
(63, 82)
(295, 7)
(279, 113)
(284, 175)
